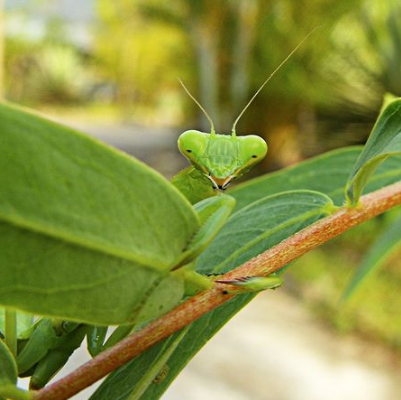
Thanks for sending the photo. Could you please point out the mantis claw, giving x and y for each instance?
(252, 283)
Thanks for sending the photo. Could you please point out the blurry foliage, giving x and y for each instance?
(58, 76)
(46, 71)
(138, 59)
(321, 276)
(363, 66)
(325, 97)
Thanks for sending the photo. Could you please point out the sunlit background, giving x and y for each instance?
(111, 69)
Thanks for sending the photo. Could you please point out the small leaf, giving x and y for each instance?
(384, 247)
(8, 367)
(87, 232)
(9, 376)
(384, 141)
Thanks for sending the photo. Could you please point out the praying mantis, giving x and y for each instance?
(216, 160)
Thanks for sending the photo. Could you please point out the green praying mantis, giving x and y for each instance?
(216, 160)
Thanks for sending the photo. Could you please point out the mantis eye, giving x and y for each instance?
(192, 144)
(252, 149)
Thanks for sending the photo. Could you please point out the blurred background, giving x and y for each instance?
(110, 68)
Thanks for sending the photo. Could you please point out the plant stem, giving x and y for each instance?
(271, 260)
(11, 330)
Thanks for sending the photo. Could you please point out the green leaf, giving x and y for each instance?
(84, 233)
(260, 226)
(8, 367)
(384, 247)
(384, 141)
(327, 173)
(133, 382)
(120, 383)
(9, 376)
(249, 232)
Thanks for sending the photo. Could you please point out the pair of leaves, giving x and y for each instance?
(84, 233)
(384, 142)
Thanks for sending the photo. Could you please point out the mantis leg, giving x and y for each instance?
(57, 357)
(41, 340)
(253, 283)
(47, 335)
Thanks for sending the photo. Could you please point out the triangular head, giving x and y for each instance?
(222, 158)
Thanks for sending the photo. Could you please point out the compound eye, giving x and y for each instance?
(253, 148)
(192, 143)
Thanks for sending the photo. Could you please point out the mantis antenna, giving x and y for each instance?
(233, 133)
(212, 130)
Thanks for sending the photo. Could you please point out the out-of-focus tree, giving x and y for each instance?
(221, 37)
(138, 58)
(46, 72)
(200, 41)
(58, 76)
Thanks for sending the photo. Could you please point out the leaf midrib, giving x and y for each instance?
(84, 242)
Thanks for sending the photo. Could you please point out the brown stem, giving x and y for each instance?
(271, 260)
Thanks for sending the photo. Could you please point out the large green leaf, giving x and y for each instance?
(249, 232)
(384, 247)
(260, 226)
(87, 232)
(384, 141)
(327, 173)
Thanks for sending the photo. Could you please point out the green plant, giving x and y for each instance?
(87, 241)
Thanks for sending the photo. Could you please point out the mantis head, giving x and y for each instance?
(221, 158)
